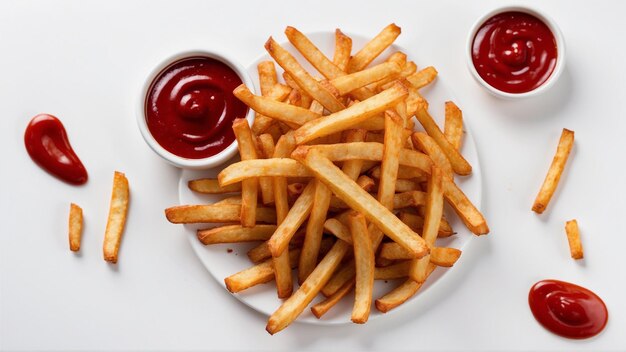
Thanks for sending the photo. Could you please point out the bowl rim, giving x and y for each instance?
(560, 44)
(178, 161)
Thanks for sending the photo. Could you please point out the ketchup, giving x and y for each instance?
(47, 144)
(567, 310)
(514, 52)
(190, 107)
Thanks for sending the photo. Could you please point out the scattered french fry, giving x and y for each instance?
(573, 238)
(554, 173)
(118, 211)
(75, 227)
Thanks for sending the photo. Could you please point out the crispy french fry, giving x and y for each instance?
(191, 214)
(75, 227)
(296, 216)
(423, 77)
(351, 116)
(453, 126)
(467, 212)
(291, 114)
(416, 223)
(393, 271)
(323, 307)
(118, 210)
(352, 168)
(312, 54)
(373, 48)
(262, 251)
(304, 80)
(427, 144)
(407, 69)
(212, 186)
(348, 83)
(294, 305)
(554, 173)
(267, 183)
(314, 231)
(267, 79)
(235, 234)
(404, 173)
(249, 187)
(400, 294)
(392, 146)
(275, 167)
(257, 274)
(432, 219)
(459, 164)
(573, 238)
(364, 263)
(439, 256)
(343, 49)
(361, 201)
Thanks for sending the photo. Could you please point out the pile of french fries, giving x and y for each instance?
(334, 180)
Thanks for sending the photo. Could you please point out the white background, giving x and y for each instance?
(84, 61)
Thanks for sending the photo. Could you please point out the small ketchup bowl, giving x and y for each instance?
(186, 108)
(515, 52)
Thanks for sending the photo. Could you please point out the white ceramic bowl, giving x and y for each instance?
(186, 163)
(560, 61)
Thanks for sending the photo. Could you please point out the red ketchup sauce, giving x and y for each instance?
(567, 310)
(190, 107)
(47, 144)
(514, 52)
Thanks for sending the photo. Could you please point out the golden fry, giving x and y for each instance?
(343, 49)
(364, 263)
(266, 184)
(249, 187)
(212, 186)
(373, 48)
(453, 126)
(392, 146)
(287, 113)
(427, 144)
(75, 227)
(118, 210)
(314, 231)
(400, 294)
(235, 234)
(323, 307)
(423, 77)
(573, 238)
(191, 214)
(274, 167)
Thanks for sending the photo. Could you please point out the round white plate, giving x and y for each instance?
(221, 262)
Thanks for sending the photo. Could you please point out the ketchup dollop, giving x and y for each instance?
(190, 107)
(514, 52)
(47, 144)
(567, 310)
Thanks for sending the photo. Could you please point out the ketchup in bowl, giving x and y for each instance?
(190, 107)
(514, 52)
(567, 310)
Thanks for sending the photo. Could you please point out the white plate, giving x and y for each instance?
(220, 263)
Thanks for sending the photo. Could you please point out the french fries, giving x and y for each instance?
(573, 238)
(554, 173)
(339, 166)
(117, 217)
(75, 227)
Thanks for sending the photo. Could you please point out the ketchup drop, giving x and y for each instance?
(567, 310)
(47, 144)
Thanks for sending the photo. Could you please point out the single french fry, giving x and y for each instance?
(351, 116)
(427, 144)
(573, 238)
(262, 251)
(364, 263)
(554, 173)
(467, 212)
(304, 80)
(314, 231)
(399, 201)
(393, 271)
(267, 183)
(352, 168)
(361, 201)
(212, 186)
(294, 305)
(118, 211)
(343, 49)
(453, 126)
(392, 146)
(348, 83)
(312, 54)
(439, 256)
(432, 219)
(75, 227)
(267, 79)
(423, 77)
(373, 48)
(257, 274)
(291, 114)
(459, 164)
(400, 294)
(404, 173)
(191, 214)
(296, 216)
(235, 234)
(249, 187)
(324, 306)
(275, 167)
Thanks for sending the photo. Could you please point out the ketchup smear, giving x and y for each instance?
(514, 52)
(567, 310)
(190, 107)
(47, 144)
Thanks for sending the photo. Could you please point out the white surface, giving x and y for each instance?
(263, 297)
(85, 61)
